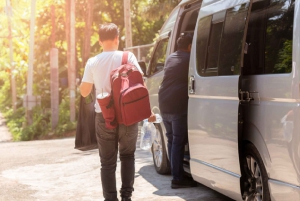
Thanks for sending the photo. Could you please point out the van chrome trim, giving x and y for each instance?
(279, 100)
(284, 183)
(215, 97)
(215, 167)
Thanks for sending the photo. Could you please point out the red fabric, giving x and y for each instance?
(125, 58)
(131, 97)
(108, 112)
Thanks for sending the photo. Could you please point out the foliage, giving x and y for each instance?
(284, 64)
(64, 123)
(143, 29)
(39, 127)
(15, 121)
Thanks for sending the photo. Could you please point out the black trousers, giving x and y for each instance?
(109, 144)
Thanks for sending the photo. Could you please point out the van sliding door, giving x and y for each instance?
(214, 102)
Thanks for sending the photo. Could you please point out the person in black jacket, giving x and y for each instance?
(173, 104)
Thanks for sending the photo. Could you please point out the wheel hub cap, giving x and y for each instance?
(157, 149)
(254, 187)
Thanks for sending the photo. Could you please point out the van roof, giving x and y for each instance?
(184, 1)
(205, 2)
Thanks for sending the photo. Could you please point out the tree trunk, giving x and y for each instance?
(87, 31)
(68, 31)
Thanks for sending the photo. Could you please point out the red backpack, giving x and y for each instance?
(130, 96)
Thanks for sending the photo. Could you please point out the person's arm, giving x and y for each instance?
(86, 85)
(85, 88)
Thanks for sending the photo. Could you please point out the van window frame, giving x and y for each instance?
(266, 10)
(218, 17)
(186, 8)
(153, 56)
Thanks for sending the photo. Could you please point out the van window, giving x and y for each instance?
(213, 49)
(220, 42)
(202, 42)
(268, 48)
(159, 57)
(232, 40)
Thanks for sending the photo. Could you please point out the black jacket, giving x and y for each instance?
(173, 92)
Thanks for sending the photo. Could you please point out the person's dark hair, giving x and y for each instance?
(108, 31)
(184, 41)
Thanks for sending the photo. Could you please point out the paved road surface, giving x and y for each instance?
(53, 171)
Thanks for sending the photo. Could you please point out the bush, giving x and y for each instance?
(41, 118)
(40, 125)
(15, 121)
(64, 123)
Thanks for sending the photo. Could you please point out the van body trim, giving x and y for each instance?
(278, 100)
(283, 183)
(214, 97)
(215, 167)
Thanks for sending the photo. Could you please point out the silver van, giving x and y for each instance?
(244, 96)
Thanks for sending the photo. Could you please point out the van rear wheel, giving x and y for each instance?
(255, 176)
(159, 153)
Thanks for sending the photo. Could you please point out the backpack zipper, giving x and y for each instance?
(135, 100)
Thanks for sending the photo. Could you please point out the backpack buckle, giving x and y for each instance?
(124, 74)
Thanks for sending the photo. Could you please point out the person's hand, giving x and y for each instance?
(152, 118)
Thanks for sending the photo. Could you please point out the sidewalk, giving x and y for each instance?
(5, 135)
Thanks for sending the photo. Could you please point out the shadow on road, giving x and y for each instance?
(163, 182)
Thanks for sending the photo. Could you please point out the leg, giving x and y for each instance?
(179, 127)
(108, 151)
(127, 145)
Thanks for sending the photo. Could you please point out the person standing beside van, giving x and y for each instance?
(97, 71)
(173, 105)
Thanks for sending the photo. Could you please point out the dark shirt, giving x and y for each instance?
(173, 92)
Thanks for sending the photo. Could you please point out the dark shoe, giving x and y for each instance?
(185, 183)
(126, 194)
(126, 199)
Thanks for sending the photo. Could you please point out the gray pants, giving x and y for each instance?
(108, 149)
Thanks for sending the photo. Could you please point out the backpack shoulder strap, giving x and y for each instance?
(125, 57)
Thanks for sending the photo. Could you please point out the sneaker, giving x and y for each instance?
(185, 183)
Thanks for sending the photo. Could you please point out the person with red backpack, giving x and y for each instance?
(97, 72)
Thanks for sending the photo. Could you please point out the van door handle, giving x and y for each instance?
(245, 96)
(192, 84)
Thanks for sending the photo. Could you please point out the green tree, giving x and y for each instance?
(144, 24)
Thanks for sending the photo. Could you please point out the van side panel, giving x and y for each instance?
(275, 114)
(210, 176)
(213, 121)
(281, 191)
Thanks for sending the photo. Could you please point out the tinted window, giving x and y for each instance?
(219, 42)
(202, 42)
(232, 40)
(213, 48)
(269, 38)
(159, 57)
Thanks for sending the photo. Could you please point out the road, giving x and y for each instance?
(54, 170)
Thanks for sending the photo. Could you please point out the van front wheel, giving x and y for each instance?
(159, 153)
(255, 176)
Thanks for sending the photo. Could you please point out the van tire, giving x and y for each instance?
(254, 180)
(159, 153)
